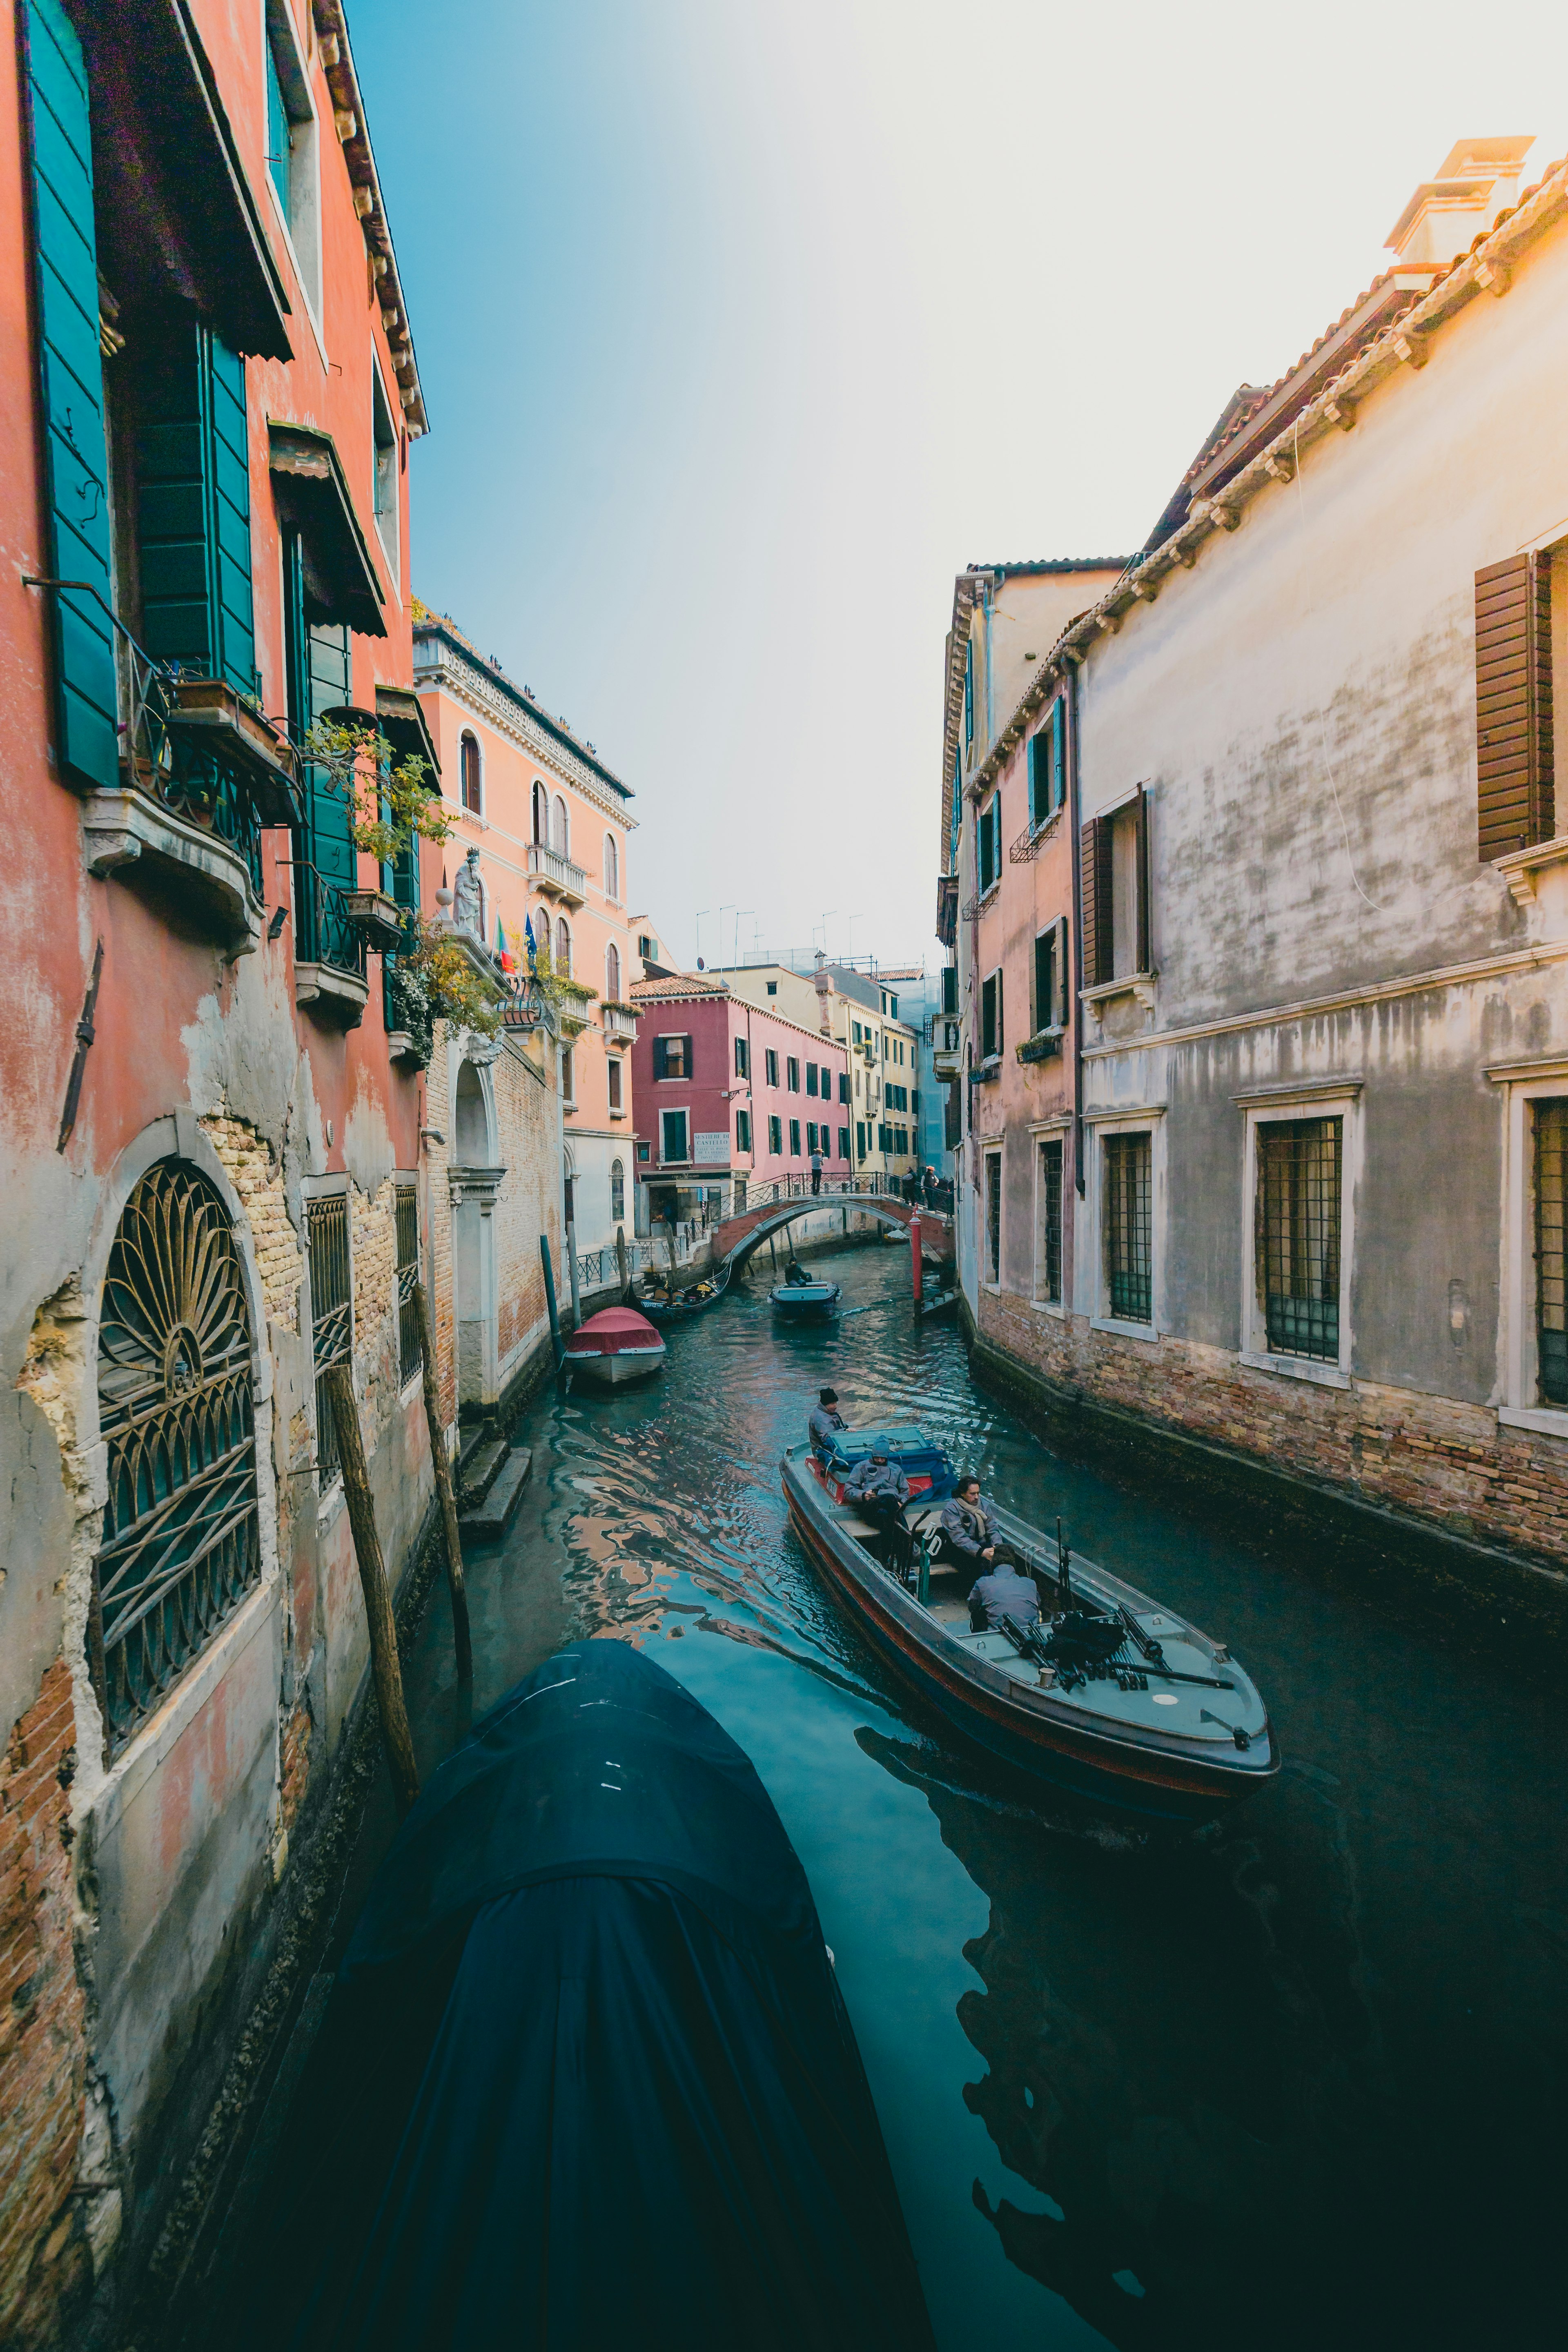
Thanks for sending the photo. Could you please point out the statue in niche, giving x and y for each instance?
(466, 914)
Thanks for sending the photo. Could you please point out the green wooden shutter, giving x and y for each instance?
(76, 465)
(1058, 755)
(335, 858)
(192, 504)
(1038, 801)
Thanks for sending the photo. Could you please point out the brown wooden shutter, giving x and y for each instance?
(1142, 930)
(1095, 870)
(1513, 704)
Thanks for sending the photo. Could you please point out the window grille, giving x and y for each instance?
(1051, 1221)
(331, 1313)
(1129, 1231)
(1298, 1236)
(1550, 1289)
(408, 1349)
(180, 1542)
(994, 1216)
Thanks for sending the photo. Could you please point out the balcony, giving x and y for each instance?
(620, 1023)
(946, 1051)
(1041, 1046)
(201, 775)
(329, 949)
(555, 875)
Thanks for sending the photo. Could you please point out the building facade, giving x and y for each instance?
(550, 824)
(732, 1094)
(1313, 1114)
(217, 1154)
(861, 1012)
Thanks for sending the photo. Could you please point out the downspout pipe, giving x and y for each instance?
(1075, 820)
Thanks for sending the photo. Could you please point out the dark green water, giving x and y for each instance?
(1293, 2080)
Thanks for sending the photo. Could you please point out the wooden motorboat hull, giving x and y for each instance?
(615, 1372)
(814, 1302)
(1028, 1729)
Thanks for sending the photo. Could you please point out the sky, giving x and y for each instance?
(743, 328)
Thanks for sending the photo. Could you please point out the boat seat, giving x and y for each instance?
(853, 1524)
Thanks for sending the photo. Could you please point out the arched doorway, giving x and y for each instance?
(474, 1180)
(181, 1536)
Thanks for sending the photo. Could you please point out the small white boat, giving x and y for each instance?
(615, 1345)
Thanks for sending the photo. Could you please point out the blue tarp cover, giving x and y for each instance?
(586, 2079)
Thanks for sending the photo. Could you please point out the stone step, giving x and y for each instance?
(492, 1516)
(479, 1467)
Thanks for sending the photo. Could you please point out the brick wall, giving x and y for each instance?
(1451, 1464)
(251, 1168)
(43, 2254)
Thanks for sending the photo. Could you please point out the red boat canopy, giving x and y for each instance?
(607, 1333)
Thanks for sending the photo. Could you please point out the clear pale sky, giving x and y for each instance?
(743, 328)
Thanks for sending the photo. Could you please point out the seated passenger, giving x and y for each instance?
(970, 1529)
(796, 1275)
(878, 1487)
(826, 1423)
(1002, 1592)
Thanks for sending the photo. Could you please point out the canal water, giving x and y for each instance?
(1295, 2078)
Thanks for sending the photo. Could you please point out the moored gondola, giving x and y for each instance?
(1114, 1696)
(585, 2079)
(666, 1305)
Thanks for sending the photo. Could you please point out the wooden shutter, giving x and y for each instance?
(70, 371)
(193, 506)
(1040, 774)
(1059, 754)
(1513, 705)
(661, 1057)
(1060, 973)
(1094, 869)
(1142, 945)
(1044, 1007)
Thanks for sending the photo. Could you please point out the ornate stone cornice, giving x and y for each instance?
(492, 699)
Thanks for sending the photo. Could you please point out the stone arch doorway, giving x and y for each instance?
(475, 1179)
(175, 1403)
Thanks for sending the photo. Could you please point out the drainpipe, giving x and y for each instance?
(1074, 799)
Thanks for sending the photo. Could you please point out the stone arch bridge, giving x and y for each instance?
(737, 1237)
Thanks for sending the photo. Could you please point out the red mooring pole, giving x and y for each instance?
(915, 1256)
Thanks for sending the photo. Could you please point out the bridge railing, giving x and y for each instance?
(908, 1190)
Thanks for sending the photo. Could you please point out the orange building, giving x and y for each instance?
(545, 823)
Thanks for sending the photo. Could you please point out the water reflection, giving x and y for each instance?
(1296, 2077)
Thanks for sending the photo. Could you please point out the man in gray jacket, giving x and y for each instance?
(878, 1487)
(825, 1423)
(972, 1535)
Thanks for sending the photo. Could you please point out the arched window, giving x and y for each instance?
(613, 973)
(612, 867)
(563, 950)
(618, 1191)
(469, 760)
(560, 832)
(541, 815)
(181, 1540)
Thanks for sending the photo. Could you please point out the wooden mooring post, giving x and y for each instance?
(396, 1737)
(915, 1255)
(461, 1638)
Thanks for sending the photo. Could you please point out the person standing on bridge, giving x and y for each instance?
(817, 1167)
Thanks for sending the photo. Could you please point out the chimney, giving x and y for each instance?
(822, 983)
(1477, 180)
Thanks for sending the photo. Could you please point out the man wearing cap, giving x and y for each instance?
(878, 1487)
(825, 1425)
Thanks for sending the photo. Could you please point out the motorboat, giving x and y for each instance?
(615, 1345)
(666, 1305)
(1113, 1694)
(801, 1300)
(584, 2078)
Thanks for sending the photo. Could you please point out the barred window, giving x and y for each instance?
(180, 1546)
(1551, 1320)
(1298, 1235)
(332, 1312)
(1050, 1214)
(408, 1350)
(994, 1216)
(1129, 1228)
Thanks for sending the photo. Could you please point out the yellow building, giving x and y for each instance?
(550, 824)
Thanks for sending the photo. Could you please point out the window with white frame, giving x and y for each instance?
(618, 1191)
(1550, 1157)
(562, 949)
(1127, 1222)
(1049, 1158)
(672, 1137)
(293, 149)
(384, 460)
(992, 1236)
(468, 770)
(568, 1079)
(613, 1080)
(1296, 1229)
(539, 799)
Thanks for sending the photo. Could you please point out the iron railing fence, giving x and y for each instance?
(406, 1202)
(331, 1313)
(325, 930)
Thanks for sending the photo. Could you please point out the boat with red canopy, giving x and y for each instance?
(615, 1345)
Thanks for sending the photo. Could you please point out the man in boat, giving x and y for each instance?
(972, 1535)
(797, 1276)
(879, 1488)
(826, 1423)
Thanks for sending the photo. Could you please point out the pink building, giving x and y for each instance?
(729, 1095)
